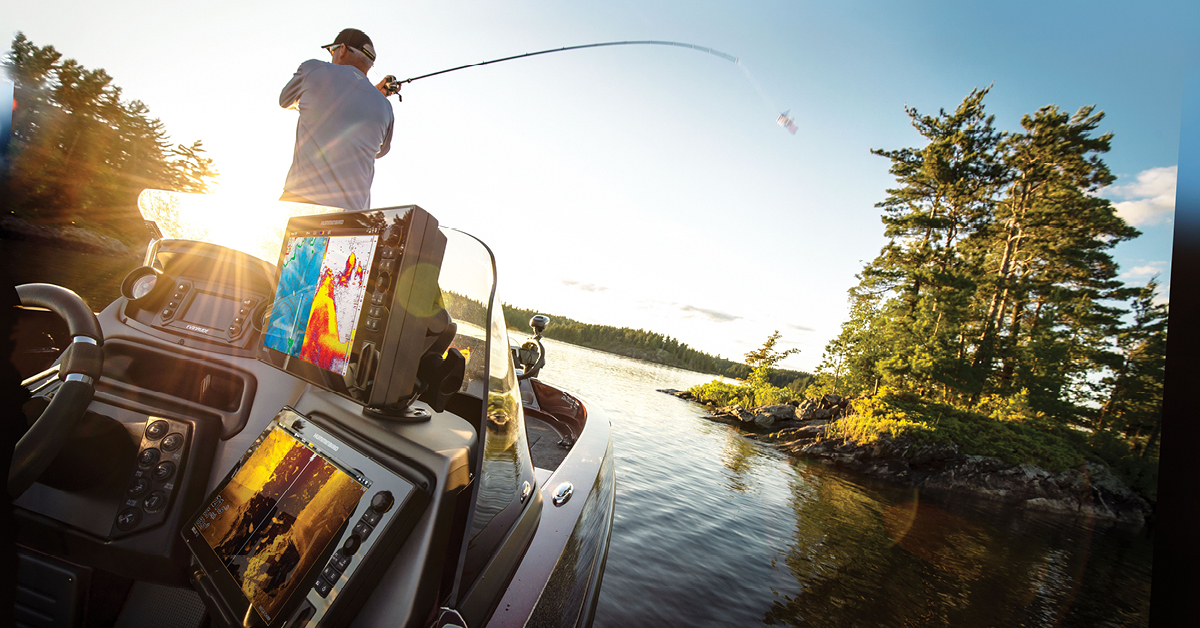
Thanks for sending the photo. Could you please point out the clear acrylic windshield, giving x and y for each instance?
(252, 227)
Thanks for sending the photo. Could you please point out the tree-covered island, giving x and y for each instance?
(990, 346)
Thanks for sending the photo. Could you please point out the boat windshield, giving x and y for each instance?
(254, 228)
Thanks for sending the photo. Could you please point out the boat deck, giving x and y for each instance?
(543, 444)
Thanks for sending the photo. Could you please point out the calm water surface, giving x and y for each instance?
(712, 529)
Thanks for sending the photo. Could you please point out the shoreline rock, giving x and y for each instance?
(1090, 490)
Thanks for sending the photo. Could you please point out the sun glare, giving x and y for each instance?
(241, 222)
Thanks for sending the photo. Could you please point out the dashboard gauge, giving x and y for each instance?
(143, 285)
(140, 282)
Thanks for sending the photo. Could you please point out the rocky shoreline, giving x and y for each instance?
(799, 428)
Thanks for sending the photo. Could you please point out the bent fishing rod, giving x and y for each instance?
(393, 85)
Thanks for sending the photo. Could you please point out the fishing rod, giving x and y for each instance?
(394, 85)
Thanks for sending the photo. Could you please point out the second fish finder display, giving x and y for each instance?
(320, 297)
(274, 517)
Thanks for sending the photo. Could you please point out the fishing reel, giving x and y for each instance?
(391, 86)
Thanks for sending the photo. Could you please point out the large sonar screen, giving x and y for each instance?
(275, 517)
(319, 299)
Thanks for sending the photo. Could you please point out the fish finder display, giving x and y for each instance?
(322, 287)
(273, 519)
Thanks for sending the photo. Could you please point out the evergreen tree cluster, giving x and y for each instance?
(649, 346)
(996, 291)
(79, 153)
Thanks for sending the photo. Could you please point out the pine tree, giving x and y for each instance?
(1134, 403)
(81, 153)
(946, 193)
(1047, 266)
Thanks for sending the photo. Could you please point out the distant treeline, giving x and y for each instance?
(646, 345)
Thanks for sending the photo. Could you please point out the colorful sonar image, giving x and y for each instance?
(322, 286)
(271, 522)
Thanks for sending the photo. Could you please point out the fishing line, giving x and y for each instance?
(784, 120)
(757, 87)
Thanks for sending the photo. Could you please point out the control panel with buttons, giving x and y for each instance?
(209, 310)
(160, 458)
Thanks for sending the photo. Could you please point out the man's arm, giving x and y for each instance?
(289, 98)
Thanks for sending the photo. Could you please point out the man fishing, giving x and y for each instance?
(345, 125)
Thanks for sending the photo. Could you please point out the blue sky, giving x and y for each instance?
(650, 186)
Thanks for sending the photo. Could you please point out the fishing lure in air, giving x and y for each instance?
(393, 85)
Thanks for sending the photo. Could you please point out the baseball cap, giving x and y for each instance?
(356, 39)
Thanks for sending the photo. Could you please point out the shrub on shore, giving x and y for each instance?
(1013, 435)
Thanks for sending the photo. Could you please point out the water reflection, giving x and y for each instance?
(739, 457)
(712, 529)
(861, 557)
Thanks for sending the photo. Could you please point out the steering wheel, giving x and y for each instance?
(79, 368)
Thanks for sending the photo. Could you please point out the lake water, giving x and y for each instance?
(712, 529)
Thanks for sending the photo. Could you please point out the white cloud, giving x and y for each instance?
(586, 287)
(1150, 200)
(1145, 271)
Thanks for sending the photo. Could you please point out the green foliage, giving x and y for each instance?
(80, 154)
(996, 300)
(762, 361)
(1126, 461)
(719, 393)
(757, 389)
(1020, 440)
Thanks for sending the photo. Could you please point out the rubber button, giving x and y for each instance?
(361, 529)
(155, 501)
(382, 501)
(340, 561)
(156, 429)
(129, 518)
(148, 457)
(322, 587)
(164, 471)
(172, 442)
(138, 487)
(372, 517)
(330, 574)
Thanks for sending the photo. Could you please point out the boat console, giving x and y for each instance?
(336, 439)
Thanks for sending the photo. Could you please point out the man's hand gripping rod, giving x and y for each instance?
(390, 85)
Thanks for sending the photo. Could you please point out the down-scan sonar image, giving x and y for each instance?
(276, 515)
(322, 287)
